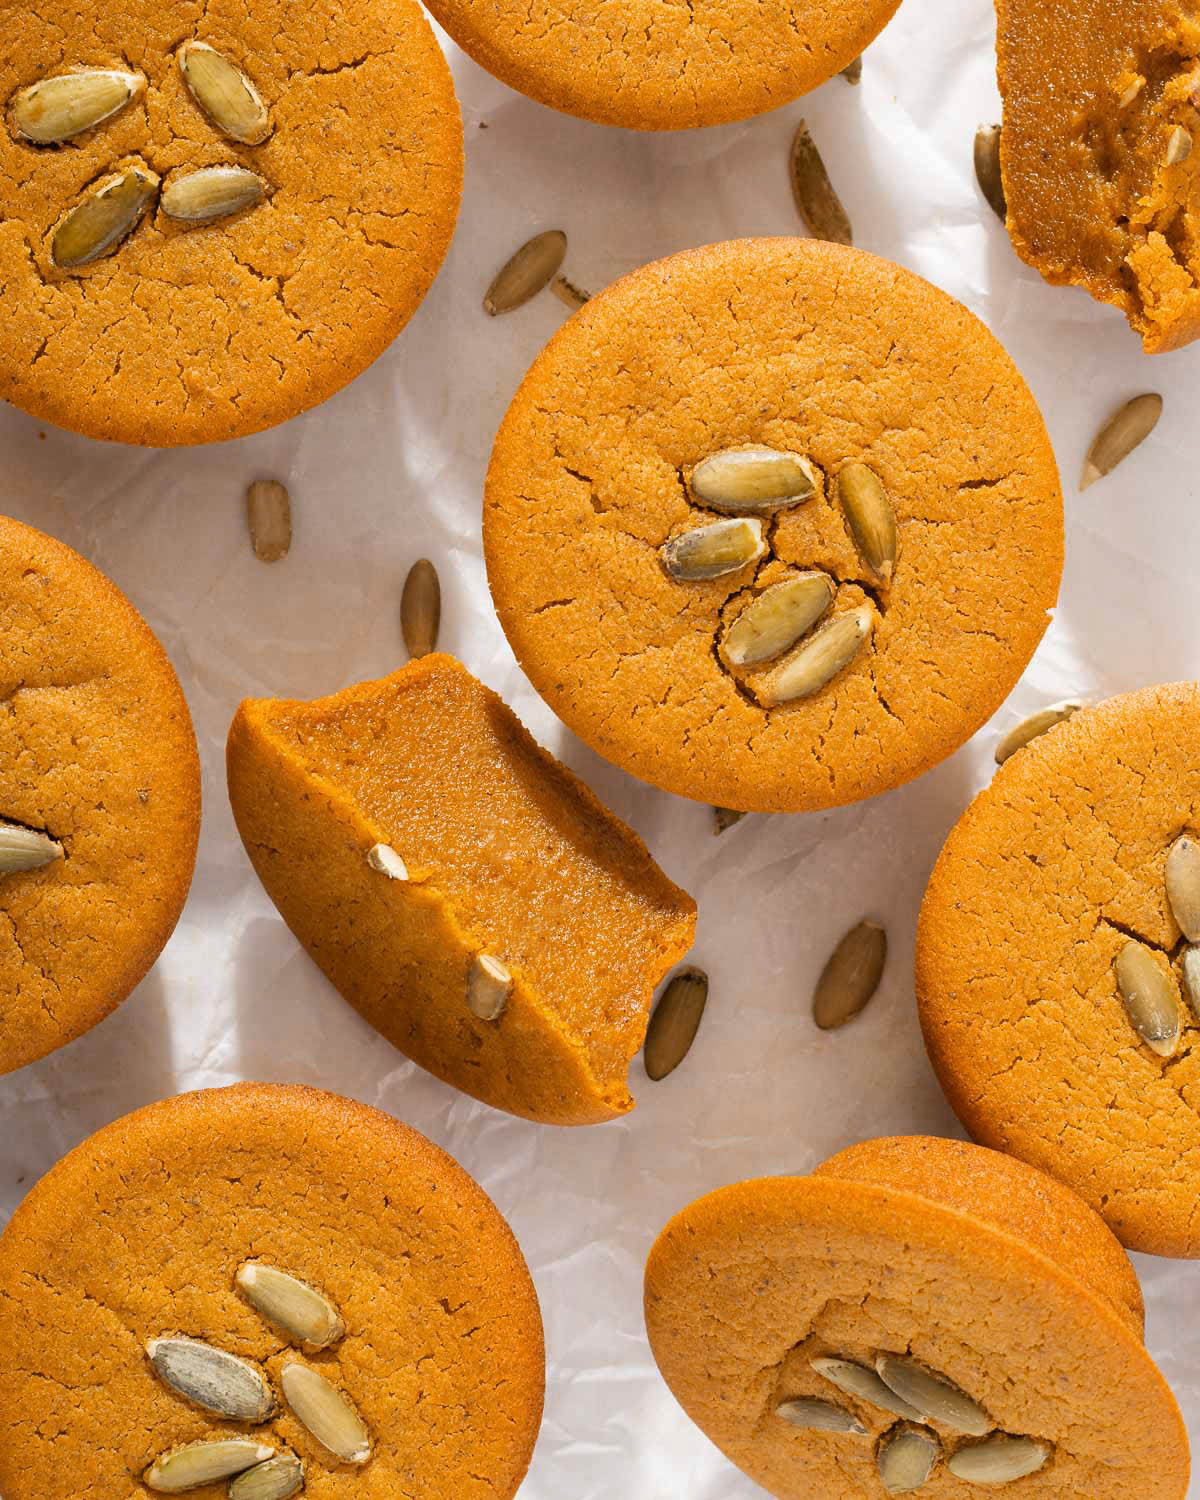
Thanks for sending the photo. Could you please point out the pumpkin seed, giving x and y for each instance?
(102, 219)
(1035, 725)
(1130, 93)
(933, 1395)
(850, 976)
(1183, 885)
(224, 93)
(566, 291)
(819, 1416)
(326, 1413)
(212, 1379)
(852, 72)
(26, 849)
(1150, 997)
(816, 201)
(421, 608)
(725, 817)
(758, 480)
(1179, 146)
(278, 1479)
(870, 517)
(60, 108)
(205, 1462)
(862, 1382)
(1124, 431)
(383, 857)
(906, 1458)
(776, 619)
(489, 985)
(306, 1315)
(820, 658)
(711, 551)
(211, 193)
(1191, 978)
(675, 1021)
(1001, 1459)
(526, 273)
(269, 515)
(987, 170)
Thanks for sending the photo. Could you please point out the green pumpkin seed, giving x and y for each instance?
(707, 552)
(26, 849)
(754, 480)
(1151, 999)
(933, 1395)
(205, 1462)
(819, 658)
(819, 1416)
(776, 619)
(906, 1458)
(1125, 430)
(211, 193)
(851, 976)
(224, 93)
(816, 201)
(1183, 885)
(674, 1024)
(103, 218)
(987, 170)
(999, 1460)
(60, 108)
(870, 517)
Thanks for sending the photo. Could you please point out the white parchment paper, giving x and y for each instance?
(392, 469)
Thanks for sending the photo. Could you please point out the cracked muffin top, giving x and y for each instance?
(145, 1234)
(917, 1315)
(773, 524)
(99, 796)
(1056, 977)
(648, 66)
(148, 305)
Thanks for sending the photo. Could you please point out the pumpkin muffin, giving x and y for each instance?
(99, 796)
(149, 304)
(773, 524)
(182, 1264)
(1057, 979)
(661, 67)
(461, 888)
(1102, 183)
(918, 1315)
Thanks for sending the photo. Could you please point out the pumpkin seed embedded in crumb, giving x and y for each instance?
(906, 1458)
(421, 608)
(59, 108)
(987, 170)
(1034, 726)
(870, 518)
(26, 849)
(755, 480)
(860, 1381)
(212, 1379)
(935, 1397)
(816, 200)
(383, 857)
(106, 215)
(819, 657)
(675, 1022)
(224, 93)
(279, 1478)
(326, 1412)
(851, 976)
(707, 552)
(1151, 1000)
(306, 1315)
(204, 1462)
(775, 620)
(1183, 885)
(211, 193)
(999, 1459)
(269, 515)
(819, 1416)
(1179, 146)
(1128, 427)
(489, 985)
(526, 273)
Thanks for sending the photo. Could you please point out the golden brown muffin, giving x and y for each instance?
(97, 752)
(987, 1274)
(503, 855)
(138, 1235)
(1102, 183)
(655, 67)
(195, 334)
(835, 358)
(1049, 875)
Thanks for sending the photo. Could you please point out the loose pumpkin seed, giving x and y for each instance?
(862, 1382)
(1183, 885)
(306, 1315)
(224, 93)
(566, 291)
(852, 72)
(776, 619)
(1151, 1000)
(103, 218)
(819, 658)
(850, 976)
(211, 193)
(26, 849)
(1000, 1459)
(816, 201)
(421, 608)
(326, 1413)
(1179, 146)
(987, 170)
(205, 1462)
(212, 1379)
(1124, 431)
(933, 1395)
(725, 817)
(758, 480)
(529, 271)
(1035, 725)
(269, 515)
(383, 857)
(278, 1479)
(711, 551)
(906, 1458)
(60, 108)
(675, 1021)
(870, 517)
(819, 1416)
(489, 985)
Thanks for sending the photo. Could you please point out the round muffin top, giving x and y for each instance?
(913, 1258)
(1049, 893)
(850, 368)
(99, 762)
(191, 332)
(138, 1236)
(664, 67)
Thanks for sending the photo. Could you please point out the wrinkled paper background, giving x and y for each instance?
(392, 469)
